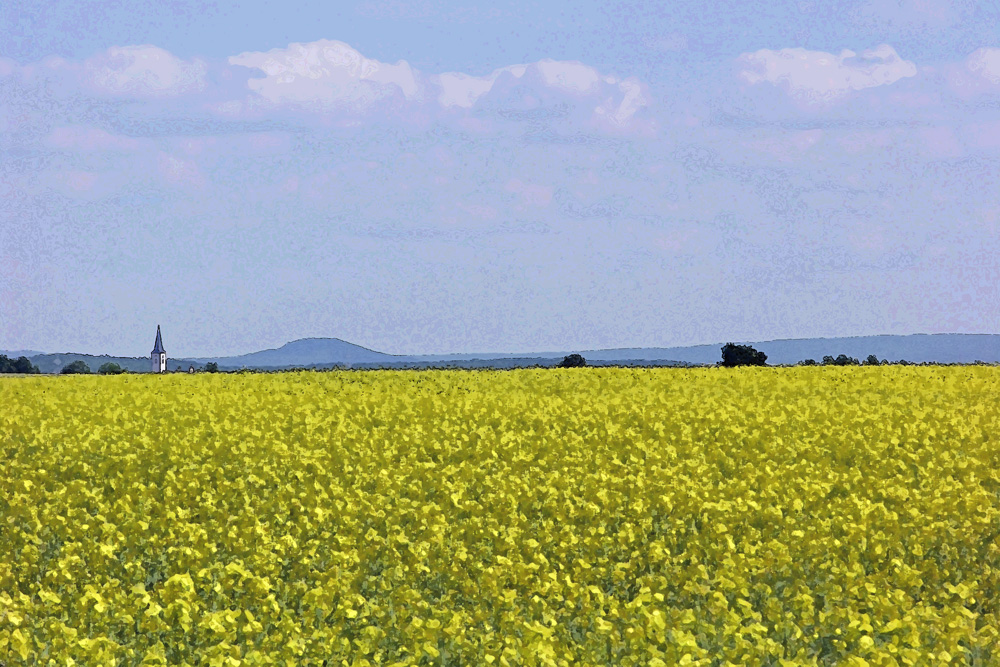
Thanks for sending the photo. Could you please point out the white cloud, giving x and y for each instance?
(975, 75)
(327, 73)
(331, 75)
(619, 112)
(597, 99)
(345, 88)
(817, 76)
(463, 90)
(144, 71)
(986, 63)
(570, 76)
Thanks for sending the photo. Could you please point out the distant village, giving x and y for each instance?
(53, 363)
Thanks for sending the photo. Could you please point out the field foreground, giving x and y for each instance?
(537, 517)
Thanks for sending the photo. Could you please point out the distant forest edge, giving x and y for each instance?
(326, 353)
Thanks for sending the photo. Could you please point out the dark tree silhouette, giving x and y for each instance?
(742, 355)
(211, 367)
(78, 366)
(19, 365)
(872, 360)
(110, 368)
(24, 365)
(573, 361)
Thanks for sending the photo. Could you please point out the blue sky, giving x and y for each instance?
(430, 177)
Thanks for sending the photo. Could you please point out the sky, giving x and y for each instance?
(441, 177)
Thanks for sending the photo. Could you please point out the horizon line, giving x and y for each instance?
(521, 353)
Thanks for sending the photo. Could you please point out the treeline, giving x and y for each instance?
(80, 367)
(111, 368)
(732, 356)
(870, 360)
(844, 360)
(744, 355)
(19, 365)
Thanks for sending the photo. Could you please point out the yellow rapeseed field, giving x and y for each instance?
(793, 516)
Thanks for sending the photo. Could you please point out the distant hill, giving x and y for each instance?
(334, 352)
(306, 352)
(917, 348)
(939, 348)
(14, 354)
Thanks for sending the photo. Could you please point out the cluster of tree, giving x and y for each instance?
(109, 368)
(210, 367)
(844, 360)
(19, 365)
(77, 367)
(742, 355)
(572, 361)
(841, 360)
(80, 367)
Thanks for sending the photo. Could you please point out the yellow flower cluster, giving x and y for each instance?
(796, 516)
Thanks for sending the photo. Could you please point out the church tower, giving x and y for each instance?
(158, 356)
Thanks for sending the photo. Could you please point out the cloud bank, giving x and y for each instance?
(817, 76)
(331, 76)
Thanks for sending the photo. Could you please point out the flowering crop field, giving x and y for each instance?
(793, 516)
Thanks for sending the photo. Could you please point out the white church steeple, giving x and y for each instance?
(158, 356)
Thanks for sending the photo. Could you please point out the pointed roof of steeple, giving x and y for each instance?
(158, 346)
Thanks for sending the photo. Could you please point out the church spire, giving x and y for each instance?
(158, 346)
(158, 356)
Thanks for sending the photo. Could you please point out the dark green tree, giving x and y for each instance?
(742, 355)
(211, 367)
(19, 365)
(872, 360)
(573, 361)
(807, 362)
(110, 368)
(78, 366)
(24, 365)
